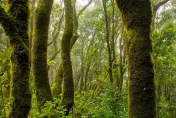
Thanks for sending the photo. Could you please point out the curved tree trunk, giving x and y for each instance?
(137, 16)
(57, 88)
(68, 87)
(59, 75)
(15, 24)
(39, 52)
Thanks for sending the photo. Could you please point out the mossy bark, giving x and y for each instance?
(59, 75)
(57, 88)
(68, 87)
(137, 16)
(15, 24)
(32, 7)
(39, 52)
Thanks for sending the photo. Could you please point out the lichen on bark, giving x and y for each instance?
(39, 52)
(137, 17)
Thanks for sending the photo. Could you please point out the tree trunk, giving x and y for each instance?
(81, 84)
(57, 88)
(120, 64)
(15, 24)
(137, 16)
(39, 52)
(110, 61)
(59, 76)
(31, 28)
(68, 86)
(86, 75)
(75, 36)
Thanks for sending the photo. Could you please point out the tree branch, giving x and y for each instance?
(58, 30)
(4, 17)
(82, 10)
(157, 6)
(8, 21)
(53, 57)
(9, 24)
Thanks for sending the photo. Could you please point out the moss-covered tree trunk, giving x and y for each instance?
(31, 22)
(68, 87)
(39, 52)
(137, 16)
(57, 88)
(15, 24)
(59, 75)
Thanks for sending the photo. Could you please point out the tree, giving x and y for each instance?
(39, 52)
(15, 24)
(110, 60)
(68, 87)
(137, 17)
(57, 88)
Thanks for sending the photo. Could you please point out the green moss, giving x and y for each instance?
(137, 16)
(19, 88)
(68, 87)
(57, 88)
(39, 52)
(16, 28)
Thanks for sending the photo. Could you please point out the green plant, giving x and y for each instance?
(51, 109)
(107, 102)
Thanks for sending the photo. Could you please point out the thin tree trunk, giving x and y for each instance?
(137, 16)
(110, 61)
(81, 84)
(121, 64)
(86, 75)
(31, 28)
(39, 51)
(75, 36)
(113, 32)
